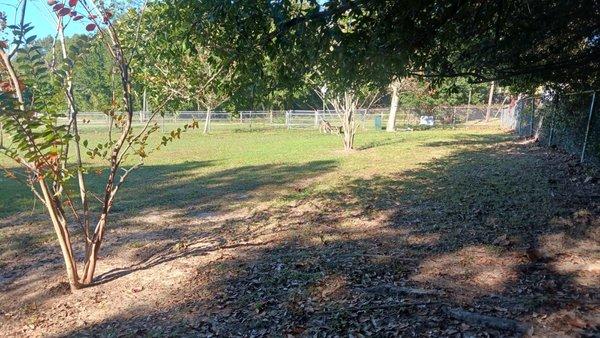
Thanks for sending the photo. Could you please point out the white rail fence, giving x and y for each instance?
(298, 118)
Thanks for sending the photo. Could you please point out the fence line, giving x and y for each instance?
(569, 121)
(300, 118)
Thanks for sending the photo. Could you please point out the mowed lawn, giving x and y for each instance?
(281, 232)
(242, 161)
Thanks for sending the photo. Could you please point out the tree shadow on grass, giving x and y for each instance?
(391, 140)
(472, 140)
(215, 193)
(13, 197)
(456, 140)
(223, 188)
(17, 198)
(154, 191)
(486, 230)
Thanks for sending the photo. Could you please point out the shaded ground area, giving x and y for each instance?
(477, 225)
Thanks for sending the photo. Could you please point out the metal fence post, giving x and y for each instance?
(587, 130)
(364, 119)
(519, 117)
(531, 117)
(468, 107)
(553, 124)
(453, 117)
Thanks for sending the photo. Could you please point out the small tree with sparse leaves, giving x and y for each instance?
(48, 147)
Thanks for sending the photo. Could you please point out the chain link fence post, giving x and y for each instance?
(587, 129)
(531, 117)
(553, 120)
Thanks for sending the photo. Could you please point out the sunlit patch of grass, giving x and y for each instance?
(136, 244)
(472, 270)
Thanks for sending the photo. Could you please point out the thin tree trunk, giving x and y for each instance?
(348, 141)
(78, 159)
(489, 106)
(349, 130)
(92, 259)
(62, 233)
(347, 108)
(391, 123)
(92, 255)
(115, 161)
(207, 121)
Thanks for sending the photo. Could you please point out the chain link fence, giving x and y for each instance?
(570, 122)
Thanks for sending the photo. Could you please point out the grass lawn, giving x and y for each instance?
(278, 232)
(243, 161)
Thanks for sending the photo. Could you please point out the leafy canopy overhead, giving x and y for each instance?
(358, 41)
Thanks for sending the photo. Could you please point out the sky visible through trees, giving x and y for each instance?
(40, 17)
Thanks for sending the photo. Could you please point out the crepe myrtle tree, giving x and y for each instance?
(49, 152)
(346, 104)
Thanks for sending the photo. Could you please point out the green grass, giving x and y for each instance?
(233, 165)
(312, 224)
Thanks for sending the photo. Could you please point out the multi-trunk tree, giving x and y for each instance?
(48, 146)
(346, 105)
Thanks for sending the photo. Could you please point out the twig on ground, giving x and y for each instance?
(379, 307)
(393, 289)
(489, 321)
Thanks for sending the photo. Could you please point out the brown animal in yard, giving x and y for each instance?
(326, 127)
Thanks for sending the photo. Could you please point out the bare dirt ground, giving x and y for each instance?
(495, 240)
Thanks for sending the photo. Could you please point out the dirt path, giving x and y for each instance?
(499, 240)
